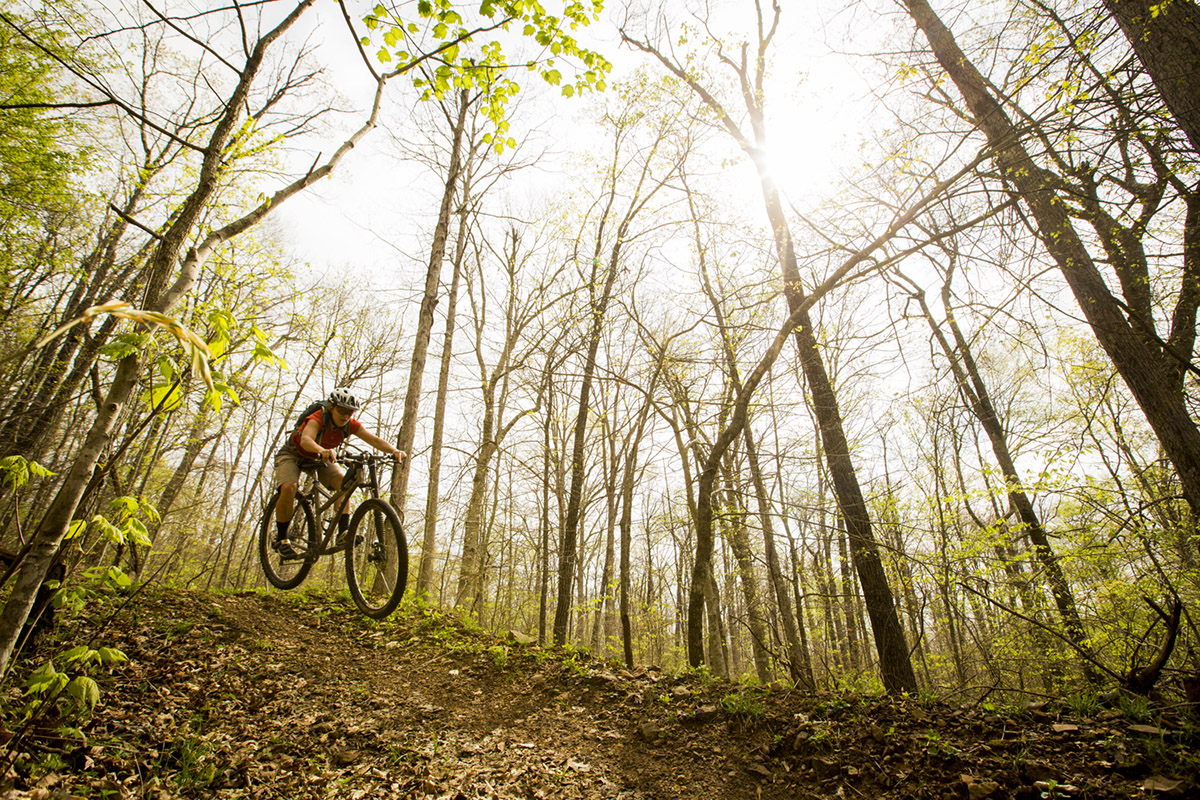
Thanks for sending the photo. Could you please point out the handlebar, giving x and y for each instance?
(359, 457)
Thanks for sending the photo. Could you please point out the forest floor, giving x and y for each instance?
(285, 696)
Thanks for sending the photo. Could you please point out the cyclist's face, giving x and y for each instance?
(341, 414)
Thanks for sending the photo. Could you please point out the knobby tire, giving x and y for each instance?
(376, 558)
(288, 574)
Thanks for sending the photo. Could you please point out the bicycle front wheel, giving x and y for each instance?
(376, 559)
(288, 572)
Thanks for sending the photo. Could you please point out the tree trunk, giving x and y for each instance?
(470, 571)
(191, 451)
(437, 253)
(567, 556)
(429, 539)
(894, 663)
(627, 487)
(544, 560)
(798, 663)
(1166, 38)
(718, 653)
(975, 393)
(232, 531)
(161, 295)
(606, 606)
(62, 365)
(1144, 371)
(734, 524)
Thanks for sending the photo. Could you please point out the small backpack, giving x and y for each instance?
(323, 407)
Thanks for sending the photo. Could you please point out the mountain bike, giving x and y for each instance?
(376, 551)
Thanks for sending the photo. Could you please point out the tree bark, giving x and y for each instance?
(429, 300)
(191, 451)
(544, 548)
(1144, 371)
(1166, 38)
(798, 661)
(598, 307)
(429, 538)
(161, 295)
(494, 383)
(734, 525)
(975, 393)
(894, 663)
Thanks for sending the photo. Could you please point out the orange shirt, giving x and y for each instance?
(330, 438)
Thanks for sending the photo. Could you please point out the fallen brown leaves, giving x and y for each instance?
(289, 696)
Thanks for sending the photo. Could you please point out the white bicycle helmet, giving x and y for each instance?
(344, 398)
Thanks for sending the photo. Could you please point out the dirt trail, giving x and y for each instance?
(287, 696)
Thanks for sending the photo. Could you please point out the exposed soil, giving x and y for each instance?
(292, 696)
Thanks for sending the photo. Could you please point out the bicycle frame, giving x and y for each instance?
(374, 546)
(323, 499)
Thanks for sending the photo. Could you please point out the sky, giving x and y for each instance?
(376, 210)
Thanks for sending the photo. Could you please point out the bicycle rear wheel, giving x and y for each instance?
(376, 559)
(288, 573)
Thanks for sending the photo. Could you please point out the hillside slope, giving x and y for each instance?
(292, 696)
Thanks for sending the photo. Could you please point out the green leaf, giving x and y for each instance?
(76, 528)
(39, 471)
(111, 655)
(228, 391)
(76, 653)
(167, 368)
(116, 578)
(85, 690)
(126, 344)
(44, 680)
(124, 506)
(221, 320)
(109, 531)
(165, 396)
(136, 530)
(16, 470)
(218, 346)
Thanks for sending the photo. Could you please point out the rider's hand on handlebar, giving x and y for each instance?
(329, 456)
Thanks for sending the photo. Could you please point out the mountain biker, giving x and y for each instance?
(313, 446)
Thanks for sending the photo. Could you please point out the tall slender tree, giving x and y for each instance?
(750, 71)
(1151, 366)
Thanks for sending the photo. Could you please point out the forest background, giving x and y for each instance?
(843, 344)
